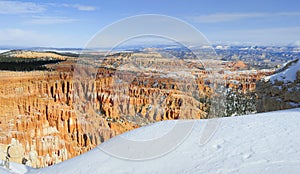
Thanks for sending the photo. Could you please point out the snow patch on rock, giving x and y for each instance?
(288, 73)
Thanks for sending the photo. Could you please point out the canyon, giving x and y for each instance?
(51, 116)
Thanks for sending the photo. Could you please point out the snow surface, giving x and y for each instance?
(288, 75)
(15, 168)
(4, 171)
(258, 143)
(63, 51)
(3, 51)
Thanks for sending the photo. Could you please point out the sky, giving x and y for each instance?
(72, 23)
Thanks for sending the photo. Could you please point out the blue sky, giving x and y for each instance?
(71, 23)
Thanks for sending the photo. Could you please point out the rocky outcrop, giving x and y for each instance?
(237, 65)
(276, 92)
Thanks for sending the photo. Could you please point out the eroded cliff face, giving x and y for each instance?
(277, 93)
(48, 117)
(38, 116)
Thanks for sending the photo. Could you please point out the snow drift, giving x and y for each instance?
(259, 143)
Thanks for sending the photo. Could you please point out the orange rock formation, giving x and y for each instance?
(49, 117)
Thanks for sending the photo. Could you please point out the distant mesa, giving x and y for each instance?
(35, 55)
(23, 60)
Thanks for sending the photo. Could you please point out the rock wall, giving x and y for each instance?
(36, 111)
(277, 94)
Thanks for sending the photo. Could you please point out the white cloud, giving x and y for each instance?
(44, 20)
(297, 43)
(284, 35)
(18, 7)
(226, 17)
(11, 33)
(17, 37)
(286, 14)
(84, 8)
(32, 38)
(80, 7)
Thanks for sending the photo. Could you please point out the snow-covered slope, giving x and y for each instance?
(260, 143)
(15, 168)
(288, 73)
